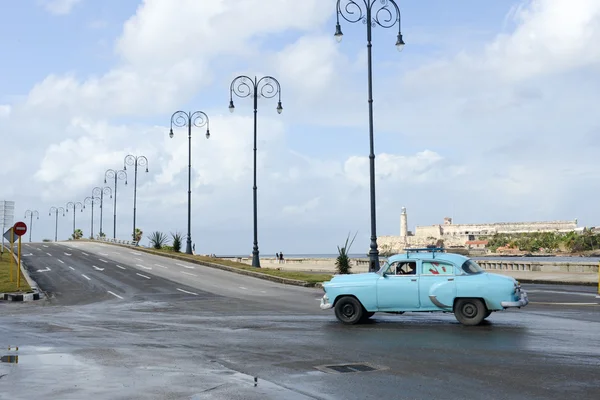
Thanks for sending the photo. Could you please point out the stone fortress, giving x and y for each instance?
(462, 235)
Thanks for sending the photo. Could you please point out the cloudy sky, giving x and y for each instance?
(490, 114)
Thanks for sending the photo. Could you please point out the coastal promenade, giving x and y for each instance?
(573, 272)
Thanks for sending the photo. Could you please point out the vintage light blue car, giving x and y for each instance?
(423, 280)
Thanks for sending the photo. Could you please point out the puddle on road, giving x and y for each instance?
(10, 359)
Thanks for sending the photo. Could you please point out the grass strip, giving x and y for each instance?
(6, 286)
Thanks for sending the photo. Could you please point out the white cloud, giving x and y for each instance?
(508, 132)
(5, 110)
(60, 7)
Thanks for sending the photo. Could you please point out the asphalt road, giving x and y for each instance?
(211, 341)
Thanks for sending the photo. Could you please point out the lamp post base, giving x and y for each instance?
(188, 247)
(255, 259)
(373, 260)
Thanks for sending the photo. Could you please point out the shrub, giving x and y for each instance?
(342, 262)
(78, 234)
(138, 235)
(157, 240)
(177, 240)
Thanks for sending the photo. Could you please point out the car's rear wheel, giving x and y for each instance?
(349, 311)
(487, 314)
(470, 311)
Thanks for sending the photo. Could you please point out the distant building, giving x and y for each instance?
(463, 235)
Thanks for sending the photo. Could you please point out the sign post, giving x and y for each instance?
(19, 229)
(598, 295)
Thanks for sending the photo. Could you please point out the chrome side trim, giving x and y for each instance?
(437, 303)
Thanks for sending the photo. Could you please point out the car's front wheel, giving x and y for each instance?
(470, 311)
(349, 311)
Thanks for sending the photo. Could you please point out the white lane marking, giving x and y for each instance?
(98, 269)
(68, 254)
(103, 254)
(185, 266)
(85, 254)
(138, 259)
(185, 291)
(116, 253)
(37, 248)
(44, 270)
(72, 268)
(135, 253)
(27, 255)
(45, 246)
(559, 292)
(141, 266)
(143, 276)
(118, 266)
(104, 261)
(116, 295)
(187, 273)
(68, 248)
(262, 291)
(565, 304)
(161, 266)
(49, 254)
(86, 277)
(243, 288)
(61, 261)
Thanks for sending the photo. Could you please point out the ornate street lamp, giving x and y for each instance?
(98, 191)
(116, 175)
(372, 13)
(181, 119)
(56, 210)
(74, 205)
(90, 200)
(31, 214)
(142, 161)
(268, 87)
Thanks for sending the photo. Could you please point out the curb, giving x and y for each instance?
(546, 282)
(277, 279)
(29, 296)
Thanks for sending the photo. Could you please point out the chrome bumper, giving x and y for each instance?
(522, 302)
(325, 304)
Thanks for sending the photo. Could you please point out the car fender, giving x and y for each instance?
(442, 294)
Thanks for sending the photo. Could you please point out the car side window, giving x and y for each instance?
(436, 268)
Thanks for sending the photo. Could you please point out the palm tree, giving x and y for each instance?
(157, 239)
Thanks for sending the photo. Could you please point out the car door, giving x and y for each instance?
(437, 285)
(398, 292)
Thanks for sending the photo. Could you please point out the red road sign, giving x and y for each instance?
(20, 228)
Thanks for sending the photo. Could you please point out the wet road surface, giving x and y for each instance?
(157, 342)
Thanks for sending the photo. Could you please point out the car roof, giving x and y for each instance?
(429, 255)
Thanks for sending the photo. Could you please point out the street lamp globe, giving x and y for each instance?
(279, 108)
(338, 33)
(171, 134)
(400, 42)
(207, 133)
(231, 106)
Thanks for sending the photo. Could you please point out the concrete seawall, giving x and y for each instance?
(327, 265)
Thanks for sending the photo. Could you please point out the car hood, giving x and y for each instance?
(353, 278)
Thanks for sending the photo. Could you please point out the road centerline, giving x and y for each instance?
(116, 295)
(86, 277)
(143, 276)
(187, 273)
(185, 291)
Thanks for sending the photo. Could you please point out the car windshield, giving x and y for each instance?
(383, 267)
(471, 267)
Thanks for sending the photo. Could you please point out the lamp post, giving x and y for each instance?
(74, 205)
(31, 214)
(99, 191)
(383, 13)
(142, 161)
(189, 119)
(90, 200)
(268, 87)
(56, 210)
(116, 175)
